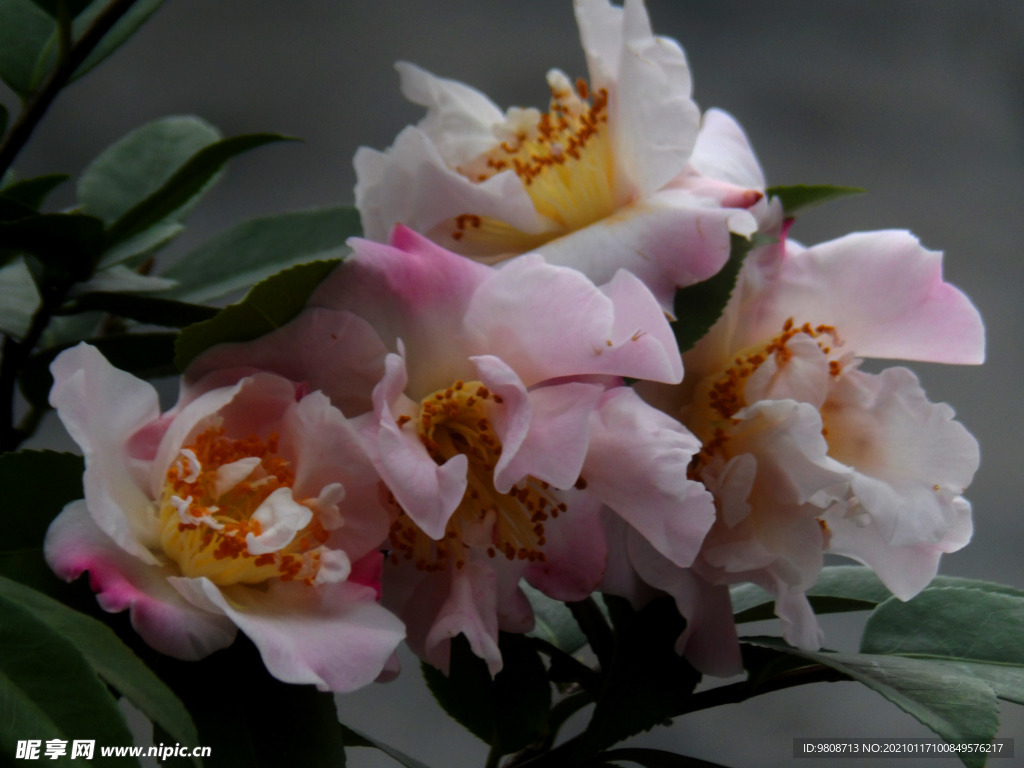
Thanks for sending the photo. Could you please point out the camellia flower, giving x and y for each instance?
(499, 425)
(608, 178)
(804, 452)
(250, 506)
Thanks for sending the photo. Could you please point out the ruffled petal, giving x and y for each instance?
(168, 623)
(333, 636)
(102, 407)
(637, 466)
(574, 553)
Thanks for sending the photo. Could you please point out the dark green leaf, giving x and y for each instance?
(19, 298)
(184, 185)
(136, 250)
(842, 588)
(110, 659)
(979, 631)
(269, 305)
(956, 706)
(28, 38)
(653, 758)
(147, 355)
(37, 485)
(354, 738)
(144, 308)
(48, 690)
(507, 712)
(798, 197)
(67, 244)
(697, 307)
(248, 718)
(33, 192)
(71, 7)
(138, 164)
(256, 249)
(3, 120)
(647, 682)
(118, 35)
(11, 210)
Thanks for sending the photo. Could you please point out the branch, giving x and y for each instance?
(43, 98)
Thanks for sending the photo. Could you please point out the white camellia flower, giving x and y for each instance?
(612, 176)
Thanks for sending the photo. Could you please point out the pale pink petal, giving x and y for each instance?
(911, 458)
(800, 626)
(459, 121)
(637, 466)
(412, 185)
(575, 551)
(654, 122)
(101, 407)
(333, 351)
(469, 608)
(428, 493)
(723, 152)
(334, 636)
(168, 623)
(885, 296)
(600, 25)
(907, 569)
(549, 322)
(280, 518)
(669, 240)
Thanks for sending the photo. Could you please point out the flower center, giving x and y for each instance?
(723, 394)
(564, 159)
(457, 421)
(214, 497)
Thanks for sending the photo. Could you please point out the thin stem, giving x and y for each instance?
(41, 100)
(493, 757)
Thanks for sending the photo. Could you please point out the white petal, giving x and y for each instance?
(280, 518)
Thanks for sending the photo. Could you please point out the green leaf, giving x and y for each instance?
(978, 631)
(647, 682)
(269, 305)
(136, 250)
(143, 308)
(140, 163)
(28, 39)
(71, 7)
(184, 185)
(67, 244)
(507, 712)
(553, 621)
(19, 298)
(119, 34)
(799, 197)
(956, 706)
(146, 355)
(256, 249)
(48, 690)
(698, 307)
(354, 738)
(3, 120)
(842, 588)
(653, 758)
(33, 192)
(37, 485)
(108, 658)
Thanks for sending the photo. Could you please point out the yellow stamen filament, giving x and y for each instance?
(455, 421)
(219, 551)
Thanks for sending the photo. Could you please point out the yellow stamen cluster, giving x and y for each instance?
(456, 421)
(565, 163)
(209, 538)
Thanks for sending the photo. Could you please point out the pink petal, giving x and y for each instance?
(575, 551)
(102, 407)
(637, 466)
(334, 636)
(168, 623)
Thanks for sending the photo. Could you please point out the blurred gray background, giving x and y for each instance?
(918, 101)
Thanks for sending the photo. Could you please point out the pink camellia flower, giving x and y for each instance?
(804, 452)
(250, 506)
(499, 425)
(608, 178)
